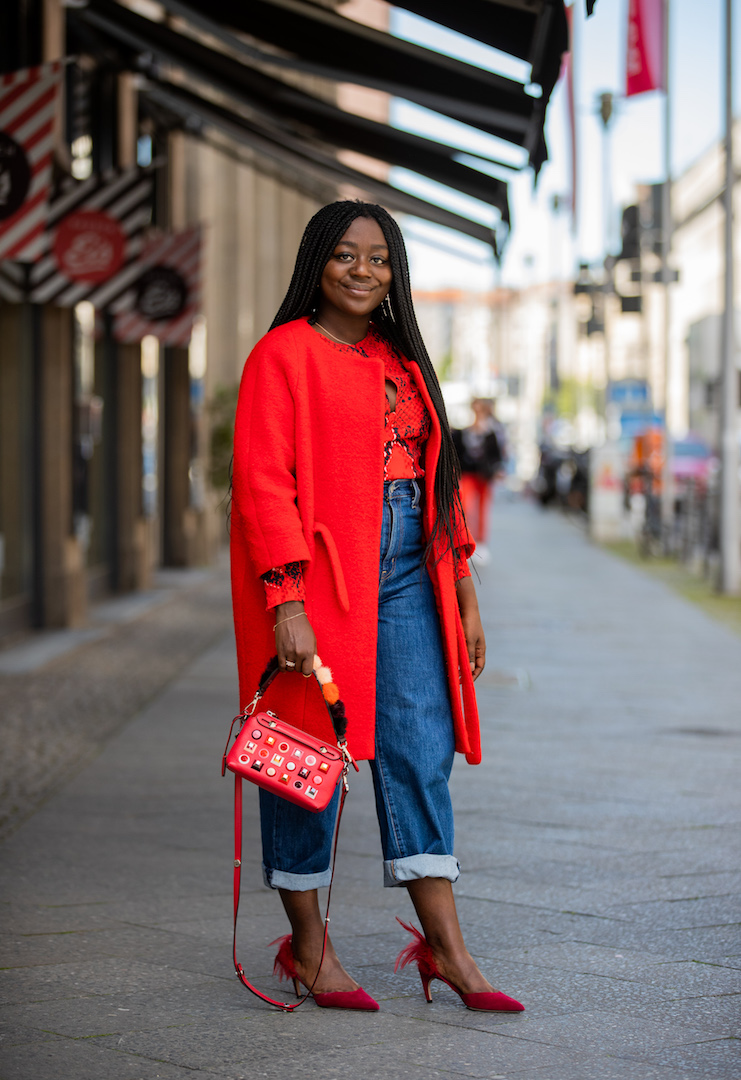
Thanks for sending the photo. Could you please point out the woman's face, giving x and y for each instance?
(357, 277)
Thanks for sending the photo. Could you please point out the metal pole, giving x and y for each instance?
(729, 493)
(605, 112)
(667, 500)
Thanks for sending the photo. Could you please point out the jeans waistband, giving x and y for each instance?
(402, 489)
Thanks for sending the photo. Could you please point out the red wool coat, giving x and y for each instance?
(307, 487)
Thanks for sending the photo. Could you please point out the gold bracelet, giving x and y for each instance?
(288, 619)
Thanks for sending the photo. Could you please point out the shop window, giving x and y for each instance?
(150, 361)
(88, 425)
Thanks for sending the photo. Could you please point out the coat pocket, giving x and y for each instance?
(334, 562)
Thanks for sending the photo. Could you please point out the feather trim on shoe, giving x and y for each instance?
(284, 966)
(416, 952)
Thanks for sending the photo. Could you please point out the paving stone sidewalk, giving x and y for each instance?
(600, 846)
(64, 693)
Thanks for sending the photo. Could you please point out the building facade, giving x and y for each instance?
(107, 450)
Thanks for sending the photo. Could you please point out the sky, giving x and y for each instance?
(543, 244)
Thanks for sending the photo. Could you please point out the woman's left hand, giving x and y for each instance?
(468, 606)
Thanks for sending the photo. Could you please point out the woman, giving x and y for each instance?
(481, 454)
(342, 456)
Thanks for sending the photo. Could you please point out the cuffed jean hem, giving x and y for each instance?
(400, 871)
(281, 879)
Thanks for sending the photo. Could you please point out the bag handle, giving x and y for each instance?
(328, 687)
(330, 693)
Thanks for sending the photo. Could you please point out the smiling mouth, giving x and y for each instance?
(359, 288)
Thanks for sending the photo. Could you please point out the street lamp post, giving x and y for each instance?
(667, 493)
(606, 113)
(729, 495)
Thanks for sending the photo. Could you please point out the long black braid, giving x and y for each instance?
(394, 318)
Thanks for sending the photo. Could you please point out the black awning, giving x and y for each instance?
(277, 106)
(294, 154)
(532, 30)
(342, 49)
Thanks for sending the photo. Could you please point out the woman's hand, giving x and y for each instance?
(294, 637)
(468, 606)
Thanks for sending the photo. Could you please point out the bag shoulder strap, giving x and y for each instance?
(284, 1005)
(336, 710)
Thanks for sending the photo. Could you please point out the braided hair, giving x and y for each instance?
(394, 318)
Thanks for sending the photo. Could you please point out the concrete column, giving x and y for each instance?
(16, 470)
(177, 180)
(247, 273)
(267, 253)
(63, 582)
(133, 559)
(127, 104)
(53, 46)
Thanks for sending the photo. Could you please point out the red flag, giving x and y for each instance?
(645, 54)
(28, 102)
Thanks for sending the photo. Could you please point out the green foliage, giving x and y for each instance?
(571, 396)
(445, 367)
(221, 411)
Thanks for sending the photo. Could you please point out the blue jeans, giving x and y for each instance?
(414, 730)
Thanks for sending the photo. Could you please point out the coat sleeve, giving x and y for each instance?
(264, 470)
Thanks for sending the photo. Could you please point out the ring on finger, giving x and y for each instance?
(290, 663)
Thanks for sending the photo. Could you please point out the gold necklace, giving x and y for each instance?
(352, 344)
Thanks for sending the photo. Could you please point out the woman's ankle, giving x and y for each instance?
(460, 968)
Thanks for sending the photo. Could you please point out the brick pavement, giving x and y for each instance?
(599, 844)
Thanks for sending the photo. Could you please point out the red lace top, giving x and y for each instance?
(407, 428)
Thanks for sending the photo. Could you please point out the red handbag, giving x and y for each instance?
(286, 761)
(293, 765)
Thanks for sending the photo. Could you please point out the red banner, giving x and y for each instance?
(28, 102)
(645, 54)
(89, 246)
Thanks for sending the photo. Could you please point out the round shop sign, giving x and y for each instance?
(161, 293)
(89, 246)
(15, 176)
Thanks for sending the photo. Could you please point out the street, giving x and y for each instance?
(599, 843)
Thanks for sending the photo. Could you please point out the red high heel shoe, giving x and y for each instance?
(419, 952)
(285, 968)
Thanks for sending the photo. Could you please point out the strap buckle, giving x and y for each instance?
(249, 709)
(348, 760)
(241, 717)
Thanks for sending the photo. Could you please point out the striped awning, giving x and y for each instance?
(28, 101)
(125, 196)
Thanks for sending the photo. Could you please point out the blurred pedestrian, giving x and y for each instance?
(342, 455)
(481, 452)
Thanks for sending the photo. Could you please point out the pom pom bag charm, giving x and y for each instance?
(294, 766)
